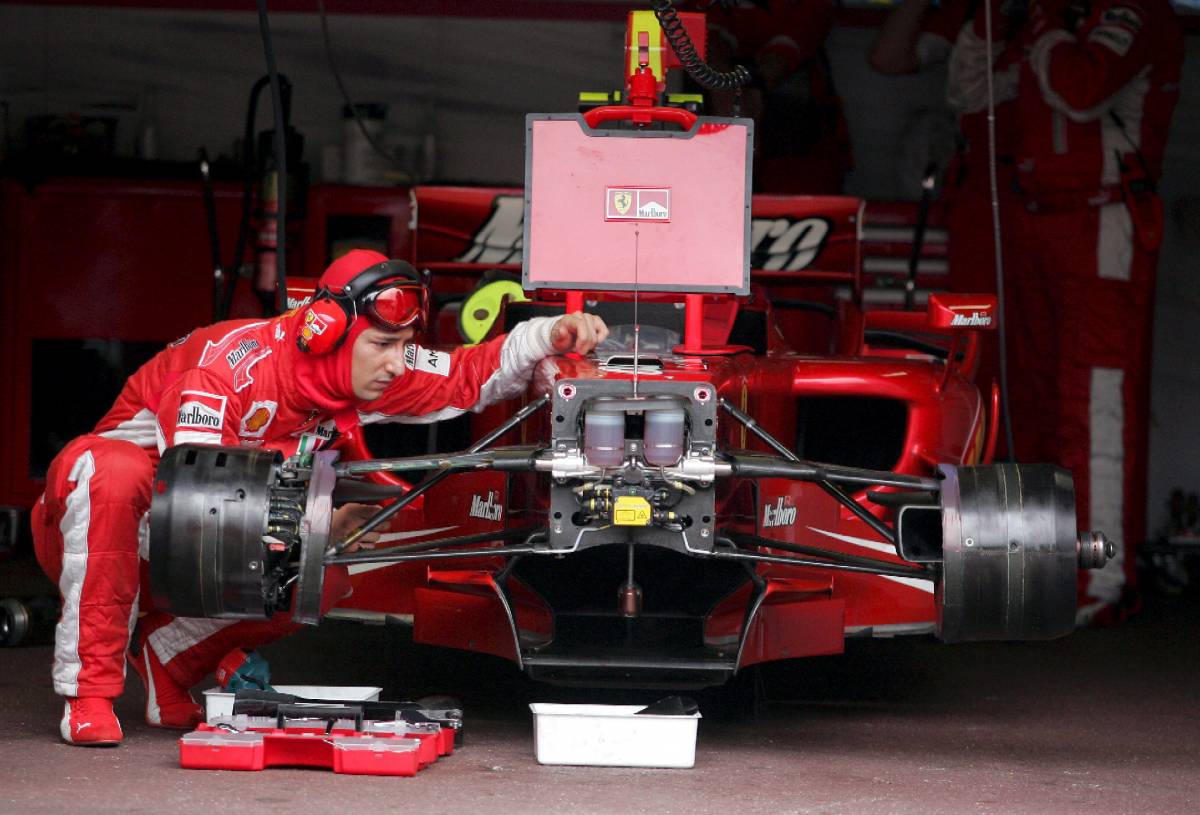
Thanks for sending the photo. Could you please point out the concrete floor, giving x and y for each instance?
(1104, 721)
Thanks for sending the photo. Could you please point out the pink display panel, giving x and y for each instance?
(607, 208)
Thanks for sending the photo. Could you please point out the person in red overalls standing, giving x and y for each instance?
(289, 384)
(1085, 94)
(1096, 91)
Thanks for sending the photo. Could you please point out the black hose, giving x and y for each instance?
(677, 36)
(349, 103)
(214, 236)
(248, 176)
(918, 242)
(277, 110)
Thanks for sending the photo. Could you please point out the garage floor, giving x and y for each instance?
(1104, 721)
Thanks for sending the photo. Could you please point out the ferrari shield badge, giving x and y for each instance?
(637, 204)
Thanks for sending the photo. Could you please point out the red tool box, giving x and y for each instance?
(255, 743)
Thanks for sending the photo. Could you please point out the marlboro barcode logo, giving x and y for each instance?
(781, 513)
(199, 410)
(487, 508)
(637, 204)
(975, 318)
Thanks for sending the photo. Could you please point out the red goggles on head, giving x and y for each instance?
(397, 304)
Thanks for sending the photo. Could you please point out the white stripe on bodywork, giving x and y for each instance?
(877, 546)
(912, 582)
(74, 528)
(1106, 482)
(139, 429)
(181, 634)
(919, 583)
(889, 629)
(388, 537)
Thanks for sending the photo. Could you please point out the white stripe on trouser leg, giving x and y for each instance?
(74, 529)
(143, 555)
(1114, 243)
(1106, 482)
(181, 634)
(153, 714)
(144, 537)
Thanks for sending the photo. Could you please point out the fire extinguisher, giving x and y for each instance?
(260, 205)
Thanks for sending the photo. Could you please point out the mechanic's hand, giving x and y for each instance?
(577, 332)
(349, 517)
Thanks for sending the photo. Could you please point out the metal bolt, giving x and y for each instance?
(558, 529)
(969, 542)
(252, 565)
(704, 533)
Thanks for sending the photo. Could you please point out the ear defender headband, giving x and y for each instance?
(390, 294)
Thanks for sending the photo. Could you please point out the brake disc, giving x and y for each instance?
(208, 521)
(1009, 553)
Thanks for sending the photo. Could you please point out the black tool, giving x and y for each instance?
(330, 714)
(252, 702)
(671, 706)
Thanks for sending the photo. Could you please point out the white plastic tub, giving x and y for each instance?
(220, 703)
(612, 736)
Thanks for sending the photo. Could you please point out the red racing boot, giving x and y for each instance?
(89, 721)
(168, 704)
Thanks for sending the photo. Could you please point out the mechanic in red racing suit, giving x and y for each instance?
(1093, 95)
(288, 384)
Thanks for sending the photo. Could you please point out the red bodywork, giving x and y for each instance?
(806, 371)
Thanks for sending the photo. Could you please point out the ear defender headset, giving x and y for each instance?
(391, 294)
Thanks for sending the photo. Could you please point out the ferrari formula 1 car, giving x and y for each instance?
(754, 467)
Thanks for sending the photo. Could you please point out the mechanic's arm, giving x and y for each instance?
(1079, 72)
(532, 341)
(968, 68)
(441, 385)
(894, 51)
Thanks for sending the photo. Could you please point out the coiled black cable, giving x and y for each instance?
(677, 36)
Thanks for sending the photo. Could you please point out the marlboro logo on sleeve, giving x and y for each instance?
(201, 411)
